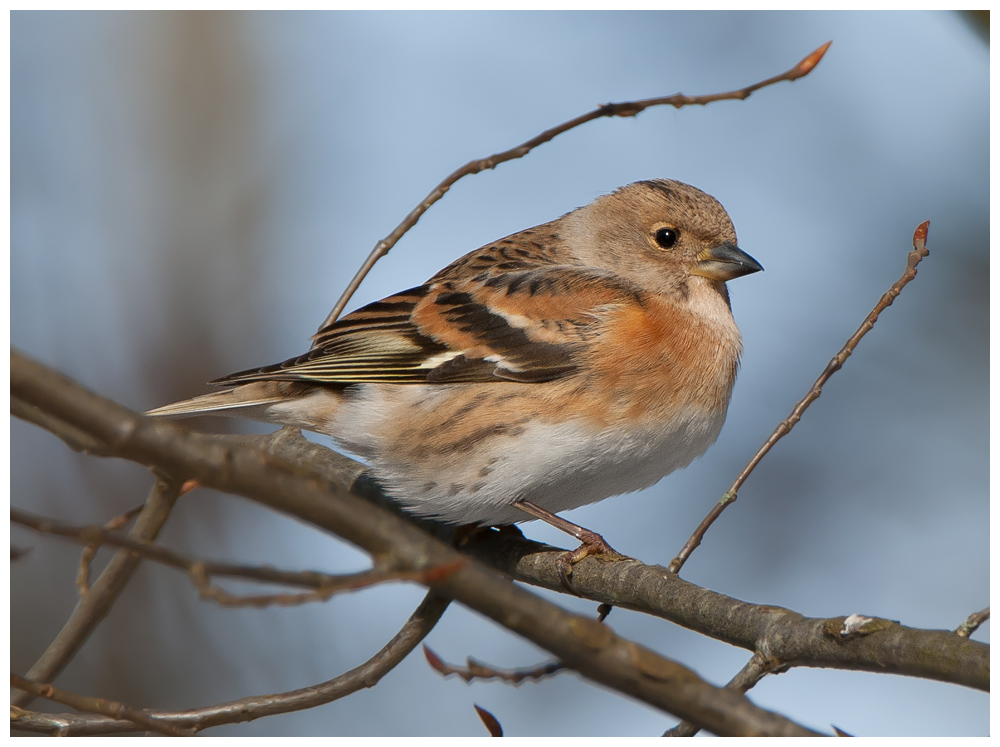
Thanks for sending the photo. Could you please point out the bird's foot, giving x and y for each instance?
(591, 543)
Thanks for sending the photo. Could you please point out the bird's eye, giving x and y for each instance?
(666, 237)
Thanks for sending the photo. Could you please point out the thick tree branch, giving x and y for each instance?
(791, 638)
(592, 649)
(779, 633)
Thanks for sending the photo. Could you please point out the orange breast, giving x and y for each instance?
(652, 360)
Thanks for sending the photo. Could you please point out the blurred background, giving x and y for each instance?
(190, 192)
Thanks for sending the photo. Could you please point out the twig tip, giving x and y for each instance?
(811, 60)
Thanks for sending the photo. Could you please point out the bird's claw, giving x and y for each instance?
(591, 543)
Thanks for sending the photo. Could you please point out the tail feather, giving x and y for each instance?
(234, 402)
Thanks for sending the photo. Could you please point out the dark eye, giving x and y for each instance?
(666, 237)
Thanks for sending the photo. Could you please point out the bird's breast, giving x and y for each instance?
(652, 362)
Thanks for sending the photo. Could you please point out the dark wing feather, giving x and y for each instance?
(526, 326)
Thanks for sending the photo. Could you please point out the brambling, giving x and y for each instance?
(580, 359)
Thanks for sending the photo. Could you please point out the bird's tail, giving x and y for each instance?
(244, 401)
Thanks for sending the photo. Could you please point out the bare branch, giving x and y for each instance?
(110, 708)
(477, 670)
(785, 426)
(626, 109)
(784, 635)
(416, 628)
(810, 642)
(972, 622)
(323, 585)
(74, 438)
(348, 582)
(96, 604)
(589, 647)
(90, 551)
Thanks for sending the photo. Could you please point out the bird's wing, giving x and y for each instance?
(526, 325)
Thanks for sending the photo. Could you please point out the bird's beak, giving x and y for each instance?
(725, 262)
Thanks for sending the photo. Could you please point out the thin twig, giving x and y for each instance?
(785, 426)
(110, 708)
(972, 622)
(348, 582)
(477, 670)
(95, 606)
(416, 628)
(625, 109)
(752, 672)
(90, 551)
(323, 585)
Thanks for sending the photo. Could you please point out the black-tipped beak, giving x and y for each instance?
(725, 262)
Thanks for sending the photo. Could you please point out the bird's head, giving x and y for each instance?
(663, 235)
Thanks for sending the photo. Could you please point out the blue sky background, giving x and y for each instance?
(191, 192)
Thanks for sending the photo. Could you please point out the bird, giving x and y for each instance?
(577, 360)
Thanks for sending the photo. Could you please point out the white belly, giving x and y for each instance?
(557, 467)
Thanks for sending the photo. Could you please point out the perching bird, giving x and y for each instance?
(580, 359)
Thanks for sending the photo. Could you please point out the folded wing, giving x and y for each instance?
(528, 325)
